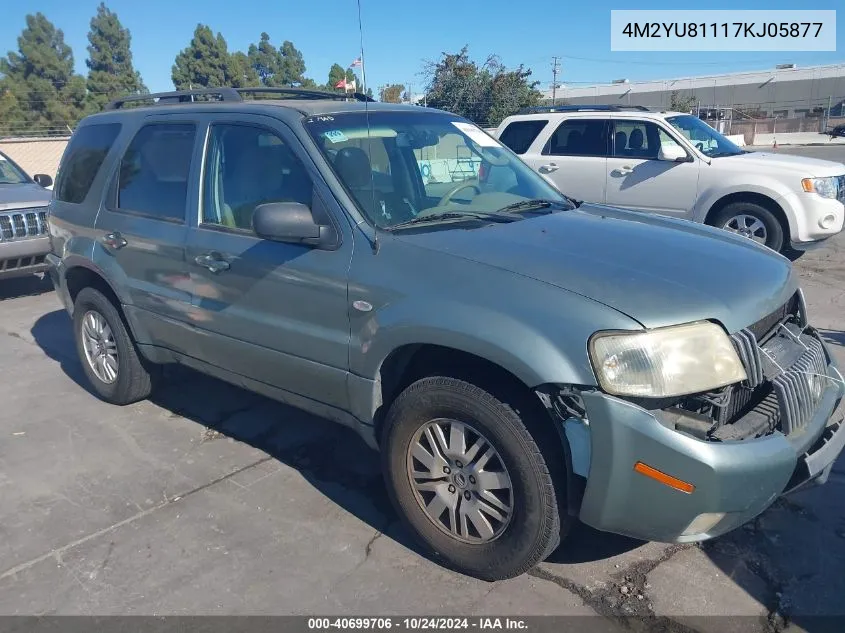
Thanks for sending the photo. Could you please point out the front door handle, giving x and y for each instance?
(213, 262)
(549, 168)
(114, 240)
(623, 171)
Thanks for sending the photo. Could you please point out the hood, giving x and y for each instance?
(806, 167)
(658, 271)
(24, 195)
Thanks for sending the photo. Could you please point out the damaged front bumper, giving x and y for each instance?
(733, 481)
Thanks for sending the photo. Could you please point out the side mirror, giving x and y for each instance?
(290, 222)
(672, 154)
(43, 179)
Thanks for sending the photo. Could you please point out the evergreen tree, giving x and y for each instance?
(110, 70)
(337, 73)
(241, 72)
(292, 67)
(205, 63)
(46, 95)
(278, 67)
(265, 60)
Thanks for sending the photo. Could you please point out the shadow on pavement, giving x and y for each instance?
(332, 458)
(24, 286)
(833, 336)
(585, 545)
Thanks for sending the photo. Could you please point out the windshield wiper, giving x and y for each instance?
(453, 215)
(538, 203)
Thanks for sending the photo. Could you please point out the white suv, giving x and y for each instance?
(675, 164)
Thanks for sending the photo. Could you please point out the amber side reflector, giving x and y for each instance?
(672, 482)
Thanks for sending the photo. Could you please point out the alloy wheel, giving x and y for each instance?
(100, 346)
(460, 481)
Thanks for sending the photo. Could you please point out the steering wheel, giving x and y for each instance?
(700, 146)
(466, 184)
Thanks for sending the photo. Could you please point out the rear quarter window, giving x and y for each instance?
(519, 135)
(82, 160)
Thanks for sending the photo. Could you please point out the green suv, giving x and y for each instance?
(520, 360)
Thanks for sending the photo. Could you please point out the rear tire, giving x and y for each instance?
(107, 352)
(520, 524)
(753, 221)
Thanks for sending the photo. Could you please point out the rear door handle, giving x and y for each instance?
(549, 168)
(114, 240)
(213, 262)
(623, 171)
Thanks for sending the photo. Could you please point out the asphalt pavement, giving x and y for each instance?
(207, 499)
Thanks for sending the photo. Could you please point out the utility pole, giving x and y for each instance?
(555, 67)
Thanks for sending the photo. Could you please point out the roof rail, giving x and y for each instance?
(305, 93)
(582, 108)
(230, 94)
(176, 96)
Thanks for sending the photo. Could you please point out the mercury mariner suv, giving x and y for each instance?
(519, 360)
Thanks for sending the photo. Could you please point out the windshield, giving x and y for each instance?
(11, 174)
(707, 140)
(414, 165)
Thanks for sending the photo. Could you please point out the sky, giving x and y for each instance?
(400, 35)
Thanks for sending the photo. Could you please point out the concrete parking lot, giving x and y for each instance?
(210, 500)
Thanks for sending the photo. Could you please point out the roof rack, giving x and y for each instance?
(582, 108)
(231, 94)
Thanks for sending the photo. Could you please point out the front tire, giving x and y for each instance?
(468, 479)
(753, 221)
(107, 352)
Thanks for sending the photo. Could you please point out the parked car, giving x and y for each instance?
(519, 361)
(23, 220)
(677, 165)
(838, 131)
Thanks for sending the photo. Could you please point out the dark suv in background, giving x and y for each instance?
(23, 220)
(519, 360)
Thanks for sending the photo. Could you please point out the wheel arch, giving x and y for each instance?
(755, 197)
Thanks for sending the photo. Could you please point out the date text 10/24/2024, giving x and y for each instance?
(417, 624)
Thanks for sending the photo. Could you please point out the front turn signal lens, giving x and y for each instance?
(668, 480)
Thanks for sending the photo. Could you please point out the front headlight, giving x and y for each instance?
(665, 362)
(825, 187)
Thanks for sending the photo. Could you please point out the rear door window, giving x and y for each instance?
(82, 160)
(154, 171)
(519, 135)
(579, 137)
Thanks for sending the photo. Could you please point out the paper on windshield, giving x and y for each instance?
(476, 135)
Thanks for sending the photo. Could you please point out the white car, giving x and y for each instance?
(675, 164)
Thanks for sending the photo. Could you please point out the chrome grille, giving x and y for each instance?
(22, 224)
(800, 387)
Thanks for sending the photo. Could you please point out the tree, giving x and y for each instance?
(110, 70)
(338, 74)
(292, 65)
(370, 93)
(391, 93)
(205, 63)
(484, 93)
(47, 96)
(241, 72)
(265, 60)
(678, 103)
(283, 66)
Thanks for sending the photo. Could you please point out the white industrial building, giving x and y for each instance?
(786, 91)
